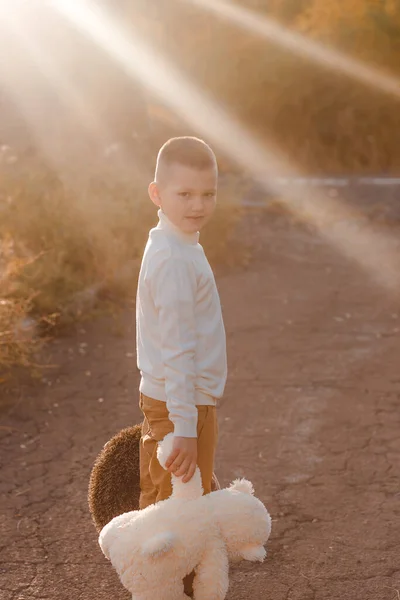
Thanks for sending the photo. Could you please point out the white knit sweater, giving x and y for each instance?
(180, 334)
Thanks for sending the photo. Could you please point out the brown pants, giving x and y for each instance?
(155, 482)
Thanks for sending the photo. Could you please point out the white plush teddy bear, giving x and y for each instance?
(153, 549)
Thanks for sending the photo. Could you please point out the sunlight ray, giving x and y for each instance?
(41, 61)
(299, 44)
(375, 253)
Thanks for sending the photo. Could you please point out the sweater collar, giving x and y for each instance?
(166, 225)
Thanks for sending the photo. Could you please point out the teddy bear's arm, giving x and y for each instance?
(212, 581)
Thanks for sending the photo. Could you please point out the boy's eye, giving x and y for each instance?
(184, 194)
(210, 194)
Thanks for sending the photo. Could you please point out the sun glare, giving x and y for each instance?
(330, 58)
(32, 74)
(373, 252)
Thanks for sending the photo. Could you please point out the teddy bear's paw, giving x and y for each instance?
(242, 485)
(253, 553)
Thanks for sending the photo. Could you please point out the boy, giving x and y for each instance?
(181, 342)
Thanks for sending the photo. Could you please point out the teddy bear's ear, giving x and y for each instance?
(242, 485)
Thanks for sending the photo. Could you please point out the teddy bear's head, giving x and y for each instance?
(244, 522)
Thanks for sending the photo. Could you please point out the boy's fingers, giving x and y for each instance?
(176, 464)
(175, 467)
(189, 473)
(171, 458)
(183, 468)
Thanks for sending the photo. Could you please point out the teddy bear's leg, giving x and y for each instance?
(212, 573)
(172, 590)
(253, 553)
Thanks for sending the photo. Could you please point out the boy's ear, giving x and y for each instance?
(154, 194)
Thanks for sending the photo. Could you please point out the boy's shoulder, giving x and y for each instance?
(169, 247)
(159, 243)
(162, 251)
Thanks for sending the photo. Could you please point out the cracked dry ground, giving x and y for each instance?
(311, 415)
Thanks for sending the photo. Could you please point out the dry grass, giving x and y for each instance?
(66, 249)
(19, 342)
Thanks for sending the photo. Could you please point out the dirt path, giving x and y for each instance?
(311, 415)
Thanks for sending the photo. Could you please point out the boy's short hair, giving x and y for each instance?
(187, 151)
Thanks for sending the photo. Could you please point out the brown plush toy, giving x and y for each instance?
(114, 485)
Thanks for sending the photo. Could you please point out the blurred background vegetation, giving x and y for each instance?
(79, 135)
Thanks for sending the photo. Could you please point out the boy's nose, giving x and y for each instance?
(198, 204)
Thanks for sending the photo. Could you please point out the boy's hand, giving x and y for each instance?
(183, 459)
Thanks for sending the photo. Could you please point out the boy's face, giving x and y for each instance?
(186, 195)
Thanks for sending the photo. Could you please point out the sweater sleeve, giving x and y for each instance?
(174, 294)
